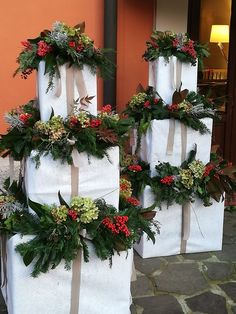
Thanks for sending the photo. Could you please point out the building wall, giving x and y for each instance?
(135, 25)
(171, 15)
(25, 19)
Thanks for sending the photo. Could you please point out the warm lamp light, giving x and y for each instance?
(219, 35)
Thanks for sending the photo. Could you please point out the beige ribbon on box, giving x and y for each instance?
(11, 169)
(176, 72)
(186, 213)
(3, 240)
(76, 264)
(73, 75)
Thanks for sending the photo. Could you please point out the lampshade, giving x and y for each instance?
(219, 34)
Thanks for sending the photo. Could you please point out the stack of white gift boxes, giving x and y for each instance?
(205, 224)
(103, 289)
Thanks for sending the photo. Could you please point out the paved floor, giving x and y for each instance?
(191, 283)
(202, 283)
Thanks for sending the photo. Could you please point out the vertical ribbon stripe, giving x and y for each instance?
(3, 240)
(81, 87)
(11, 169)
(186, 214)
(75, 283)
(171, 137)
(69, 88)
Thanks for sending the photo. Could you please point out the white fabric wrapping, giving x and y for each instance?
(98, 178)
(103, 289)
(154, 143)
(162, 76)
(49, 100)
(206, 229)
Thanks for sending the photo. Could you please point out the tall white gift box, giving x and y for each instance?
(102, 289)
(59, 103)
(154, 143)
(97, 178)
(167, 76)
(205, 228)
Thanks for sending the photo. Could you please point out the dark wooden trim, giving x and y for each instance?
(110, 41)
(193, 26)
(230, 138)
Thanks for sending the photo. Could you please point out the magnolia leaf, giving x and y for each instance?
(44, 33)
(80, 26)
(149, 215)
(107, 135)
(62, 201)
(5, 153)
(28, 257)
(179, 97)
(52, 114)
(36, 207)
(140, 88)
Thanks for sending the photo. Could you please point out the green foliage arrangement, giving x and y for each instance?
(192, 179)
(187, 107)
(63, 44)
(167, 44)
(60, 231)
(58, 136)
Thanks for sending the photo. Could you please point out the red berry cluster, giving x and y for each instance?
(147, 104)
(118, 226)
(94, 123)
(79, 47)
(168, 180)
(133, 201)
(27, 45)
(72, 213)
(208, 169)
(135, 168)
(189, 48)
(173, 107)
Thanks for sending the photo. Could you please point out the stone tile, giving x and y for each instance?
(233, 309)
(207, 302)
(161, 304)
(172, 259)
(196, 256)
(142, 287)
(181, 278)
(230, 289)
(228, 253)
(147, 265)
(218, 271)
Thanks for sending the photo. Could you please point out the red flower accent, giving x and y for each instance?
(107, 108)
(80, 48)
(72, 213)
(135, 168)
(133, 201)
(27, 45)
(43, 48)
(147, 104)
(24, 117)
(173, 107)
(208, 169)
(73, 120)
(168, 180)
(94, 123)
(175, 42)
(156, 101)
(72, 44)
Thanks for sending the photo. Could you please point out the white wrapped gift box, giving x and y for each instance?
(98, 178)
(103, 289)
(166, 77)
(206, 229)
(49, 100)
(154, 143)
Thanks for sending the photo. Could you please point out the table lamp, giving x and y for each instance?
(219, 35)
